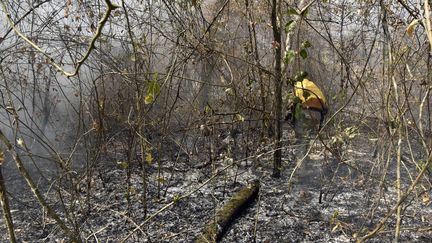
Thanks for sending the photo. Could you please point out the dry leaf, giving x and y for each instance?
(2, 157)
(239, 118)
(411, 27)
(426, 198)
(68, 5)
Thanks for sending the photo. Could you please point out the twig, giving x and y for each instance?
(380, 225)
(23, 17)
(102, 22)
(256, 216)
(34, 188)
(176, 200)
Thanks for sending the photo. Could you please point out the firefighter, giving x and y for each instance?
(308, 110)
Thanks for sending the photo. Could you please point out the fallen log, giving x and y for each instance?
(213, 231)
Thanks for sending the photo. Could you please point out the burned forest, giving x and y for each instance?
(215, 121)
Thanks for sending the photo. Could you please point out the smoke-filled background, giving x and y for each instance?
(159, 89)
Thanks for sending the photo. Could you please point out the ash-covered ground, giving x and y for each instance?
(118, 202)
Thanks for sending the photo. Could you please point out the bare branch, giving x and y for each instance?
(102, 22)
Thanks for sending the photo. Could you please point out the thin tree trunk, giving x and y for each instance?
(277, 39)
(397, 117)
(6, 210)
(254, 47)
(74, 237)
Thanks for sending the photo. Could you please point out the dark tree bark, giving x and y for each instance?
(277, 39)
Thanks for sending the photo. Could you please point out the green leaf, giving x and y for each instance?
(149, 158)
(161, 180)
(153, 89)
(292, 11)
(298, 114)
(304, 12)
(290, 81)
(306, 44)
(303, 53)
(148, 99)
(300, 76)
(289, 56)
(176, 198)
(306, 94)
(290, 26)
(123, 165)
(208, 110)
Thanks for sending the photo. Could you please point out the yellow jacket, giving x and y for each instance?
(310, 95)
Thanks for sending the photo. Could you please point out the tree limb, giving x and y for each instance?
(102, 22)
(214, 230)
